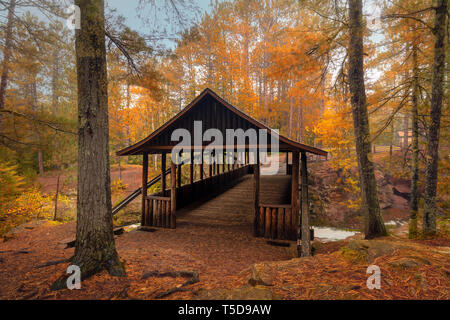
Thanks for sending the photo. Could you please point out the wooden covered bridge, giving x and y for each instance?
(285, 217)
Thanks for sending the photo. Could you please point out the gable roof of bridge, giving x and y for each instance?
(214, 112)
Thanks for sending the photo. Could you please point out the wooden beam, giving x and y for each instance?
(201, 166)
(295, 227)
(191, 168)
(163, 174)
(256, 189)
(173, 195)
(144, 186)
(287, 163)
(179, 175)
(306, 236)
(223, 161)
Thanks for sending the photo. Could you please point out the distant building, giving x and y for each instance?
(399, 137)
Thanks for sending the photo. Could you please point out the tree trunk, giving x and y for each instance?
(391, 143)
(6, 55)
(374, 225)
(306, 232)
(406, 132)
(119, 166)
(429, 214)
(414, 201)
(55, 79)
(95, 248)
(55, 215)
(34, 104)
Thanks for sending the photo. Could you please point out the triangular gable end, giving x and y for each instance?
(214, 112)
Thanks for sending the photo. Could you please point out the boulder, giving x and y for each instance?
(262, 274)
(369, 250)
(242, 293)
(409, 262)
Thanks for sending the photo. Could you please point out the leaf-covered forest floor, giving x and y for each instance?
(227, 257)
(224, 259)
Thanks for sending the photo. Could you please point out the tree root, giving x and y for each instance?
(193, 275)
(52, 263)
(23, 251)
(90, 267)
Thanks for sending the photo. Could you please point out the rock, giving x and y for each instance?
(262, 274)
(242, 293)
(369, 250)
(25, 227)
(409, 262)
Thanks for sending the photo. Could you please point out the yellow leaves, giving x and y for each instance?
(118, 186)
(10, 182)
(27, 206)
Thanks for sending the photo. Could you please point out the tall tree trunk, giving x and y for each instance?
(55, 78)
(95, 249)
(55, 214)
(6, 56)
(34, 106)
(414, 201)
(374, 225)
(391, 142)
(406, 132)
(291, 115)
(429, 214)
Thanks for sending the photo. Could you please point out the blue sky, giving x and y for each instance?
(128, 9)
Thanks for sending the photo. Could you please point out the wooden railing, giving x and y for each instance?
(277, 222)
(159, 205)
(159, 212)
(190, 193)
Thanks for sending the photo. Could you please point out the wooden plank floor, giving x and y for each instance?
(235, 206)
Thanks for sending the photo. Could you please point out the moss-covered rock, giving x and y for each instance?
(369, 250)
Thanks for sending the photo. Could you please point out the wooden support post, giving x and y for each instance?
(201, 165)
(256, 174)
(191, 168)
(179, 175)
(287, 163)
(144, 186)
(223, 160)
(173, 195)
(163, 174)
(295, 203)
(306, 236)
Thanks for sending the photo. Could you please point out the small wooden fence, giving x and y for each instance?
(159, 212)
(277, 222)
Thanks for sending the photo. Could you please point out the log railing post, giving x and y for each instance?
(306, 236)
(144, 186)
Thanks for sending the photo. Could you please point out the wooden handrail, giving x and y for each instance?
(284, 206)
(158, 198)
